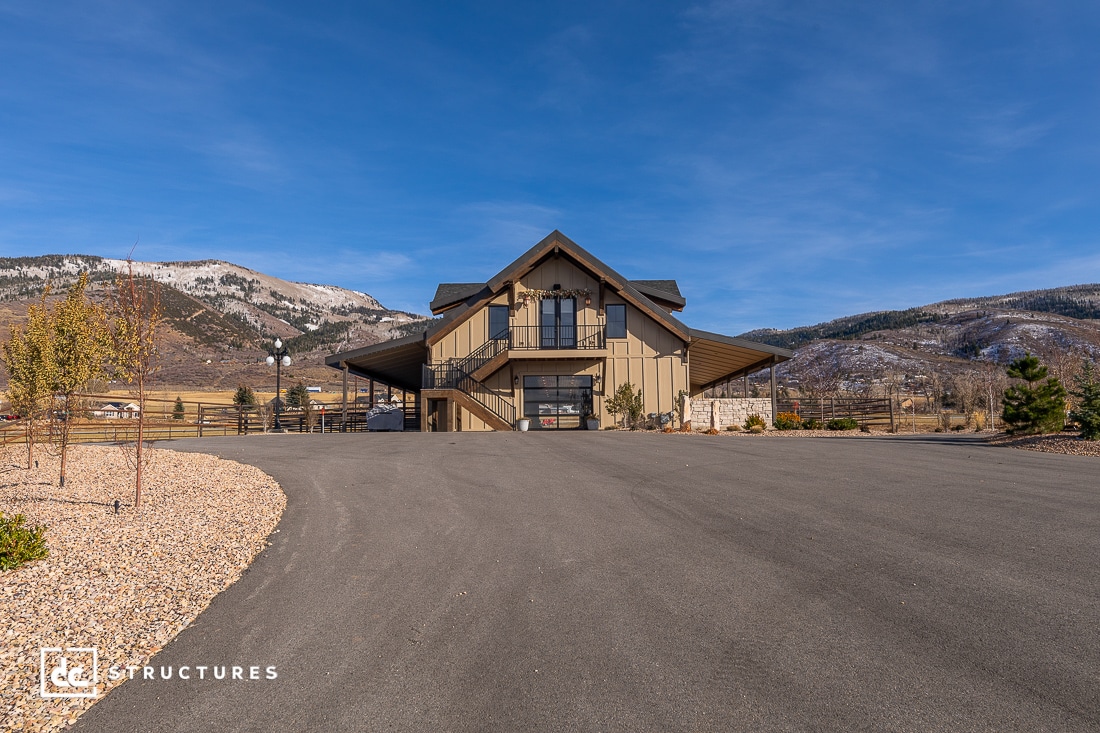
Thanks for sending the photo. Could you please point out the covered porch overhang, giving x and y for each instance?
(396, 363)
(715, 358)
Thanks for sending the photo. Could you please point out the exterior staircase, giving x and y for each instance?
(462, 377)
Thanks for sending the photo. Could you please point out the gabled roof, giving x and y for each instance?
(556, 243)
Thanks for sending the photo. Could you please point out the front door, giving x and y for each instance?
(557, 402)
(559, 323)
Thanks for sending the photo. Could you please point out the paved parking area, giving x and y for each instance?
(642, 582)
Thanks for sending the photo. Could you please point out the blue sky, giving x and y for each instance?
(786, 162)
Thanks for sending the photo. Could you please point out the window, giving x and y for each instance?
(616, 321)
(559, 323)
(498, 321)
(557, 402)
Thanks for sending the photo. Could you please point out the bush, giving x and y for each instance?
(842, 423)
(812, 424)
(788, 421)
(733, 428)
(711, 431)
(20, 544)
(753, 420)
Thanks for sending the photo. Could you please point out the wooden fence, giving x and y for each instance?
(868, 411)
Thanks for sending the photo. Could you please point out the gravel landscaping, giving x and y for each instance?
(127, 583)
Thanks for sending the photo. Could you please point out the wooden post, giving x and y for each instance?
(771, 374)
(344, 408)
(371, 403)
(200, 419)
(745, 385)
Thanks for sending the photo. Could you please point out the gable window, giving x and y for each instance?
(498, 322)
(616, 321)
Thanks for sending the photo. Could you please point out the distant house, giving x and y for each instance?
(117, 410)
(551, 338)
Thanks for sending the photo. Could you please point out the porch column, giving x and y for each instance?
(423, 413)
(344, 406)
(771, 374)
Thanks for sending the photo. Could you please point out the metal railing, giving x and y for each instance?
(452, 376)
(557, 337)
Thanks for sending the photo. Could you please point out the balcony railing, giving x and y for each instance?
(557, 337)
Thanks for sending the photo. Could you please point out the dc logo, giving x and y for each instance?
(70, 672)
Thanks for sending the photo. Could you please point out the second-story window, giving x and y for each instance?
(498, 321)
(616, 321)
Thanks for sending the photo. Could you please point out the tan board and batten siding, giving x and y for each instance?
(650, 357)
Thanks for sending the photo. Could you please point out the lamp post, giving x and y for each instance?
(279, 357)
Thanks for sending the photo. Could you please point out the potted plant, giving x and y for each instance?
(593, 422)
(523, 424)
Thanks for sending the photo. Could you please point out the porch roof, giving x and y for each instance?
(396, 363)
(715, 358)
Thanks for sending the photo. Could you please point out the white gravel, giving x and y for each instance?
(125, 584)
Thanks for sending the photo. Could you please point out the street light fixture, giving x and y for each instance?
(279, 357)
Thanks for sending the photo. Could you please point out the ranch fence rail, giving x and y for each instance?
(868, 411)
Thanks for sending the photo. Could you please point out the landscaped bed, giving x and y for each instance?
(125, 584)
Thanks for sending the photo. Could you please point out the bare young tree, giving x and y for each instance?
(136, 314)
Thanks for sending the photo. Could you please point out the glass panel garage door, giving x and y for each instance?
(557, 403)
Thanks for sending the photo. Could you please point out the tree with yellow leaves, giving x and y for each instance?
(27, 356)
(135, 315)
(79, 350)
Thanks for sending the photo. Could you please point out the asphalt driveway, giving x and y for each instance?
(642, 582)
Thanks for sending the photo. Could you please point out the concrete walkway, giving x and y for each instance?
(642, 582)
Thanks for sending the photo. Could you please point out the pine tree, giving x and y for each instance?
(244, 396)
(179, 410)
(1087, 412)
(1034, 408)
(297, 396)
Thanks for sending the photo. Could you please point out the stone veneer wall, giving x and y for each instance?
(718, 412)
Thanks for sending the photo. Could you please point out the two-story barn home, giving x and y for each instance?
(549, 338)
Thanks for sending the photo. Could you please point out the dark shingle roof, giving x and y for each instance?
(451, 293)
(666, 290)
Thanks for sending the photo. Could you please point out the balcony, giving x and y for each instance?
(557, 338)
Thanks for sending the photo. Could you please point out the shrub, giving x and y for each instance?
(842, 423)
(20, 544)
(627, 403)
(756, 429)
(733, 428)
(753, 420)
(711, 431)
(788, 421)
(812, 424)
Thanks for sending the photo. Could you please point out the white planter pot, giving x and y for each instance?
(523, 424)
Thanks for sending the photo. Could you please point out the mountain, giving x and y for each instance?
(221, 317)
(1060, 325)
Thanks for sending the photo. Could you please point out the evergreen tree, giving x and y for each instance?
(297, 396)
(1087, 412)
(179, 410)
(244, 396)
(1033, 408)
